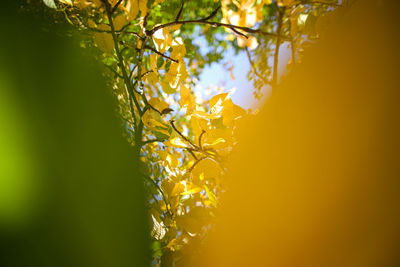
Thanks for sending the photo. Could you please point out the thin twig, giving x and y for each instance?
(238, 32)
(280, 13)
(180, 11)
(161, 54)
(253, 66)
(200, 138)
(197, 162)
(183, 137)
(191, 152)
(114, 71)
(122, 30)
(116, 6)
(161, 192)
(213, 13)
(132, 71)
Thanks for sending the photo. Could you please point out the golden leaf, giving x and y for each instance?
(162, 39)
(104, 40)
(187, 99)
(177, 142)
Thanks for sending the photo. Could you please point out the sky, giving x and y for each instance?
(217, 75)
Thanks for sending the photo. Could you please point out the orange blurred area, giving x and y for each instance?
(314, 180)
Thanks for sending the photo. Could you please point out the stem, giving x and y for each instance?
(161, 54)
(183, 137)
(255, 68)
(277, 46)
(200, 139)
(139, 127)
(293, 48)
(167, 204)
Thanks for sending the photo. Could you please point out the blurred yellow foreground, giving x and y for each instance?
(315, 179)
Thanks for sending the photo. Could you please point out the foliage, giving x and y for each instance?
(152, 61)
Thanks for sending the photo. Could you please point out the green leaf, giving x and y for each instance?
(50, 3)
(161, 135)
(160, 62)
(157, 251)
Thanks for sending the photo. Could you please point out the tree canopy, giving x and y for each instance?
(152, 63)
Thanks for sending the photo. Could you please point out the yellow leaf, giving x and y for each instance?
(217, 141)
(153, 124)
(178, 49)
(152, 78)
(177, 72)
(178, 189)
(187, 99)
(68, 2)
(158, 104)
(285, 2)
(153, 62)
(177, 142)
(193, 190)
(250, 42)
(205, 115)
(175, 27)
(211, 196)
(172, 244)
(134, 6)
(231, 112)
(143, 7)
(103, 40)
(218, 100)
(198, 126)
(82, 4)
(172, 161)
(210, 169)
(119, 22)
(174, 201)
(167, 185)
(162, 39)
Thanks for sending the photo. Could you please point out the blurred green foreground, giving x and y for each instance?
(70, 194)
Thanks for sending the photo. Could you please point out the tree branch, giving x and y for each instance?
(205, 20)
(183, 137)
(214, 24)
(161, 54)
